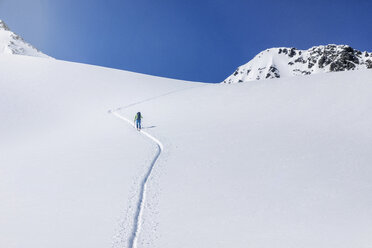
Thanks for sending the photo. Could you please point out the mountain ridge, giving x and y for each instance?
(11, 43)
(282, 62)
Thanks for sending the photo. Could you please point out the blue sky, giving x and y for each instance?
(199, 40)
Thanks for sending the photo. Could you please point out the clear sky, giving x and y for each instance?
(200, 40)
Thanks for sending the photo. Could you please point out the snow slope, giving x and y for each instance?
(11, 43)
(285, 62)
(275, 163)
(69, 169)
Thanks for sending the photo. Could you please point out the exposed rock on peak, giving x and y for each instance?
(287, 62)
(3, 26)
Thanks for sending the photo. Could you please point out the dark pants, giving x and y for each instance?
(138, 124)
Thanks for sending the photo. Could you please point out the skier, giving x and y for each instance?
(137, 120)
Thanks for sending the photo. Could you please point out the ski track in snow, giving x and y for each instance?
(133, 240)
(137, 226)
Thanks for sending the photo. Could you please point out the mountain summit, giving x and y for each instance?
(286, 62)
(11, 43)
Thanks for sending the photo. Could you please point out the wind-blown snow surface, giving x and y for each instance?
(274, 163)
(69, 170)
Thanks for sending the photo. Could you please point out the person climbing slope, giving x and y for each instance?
(137, 120)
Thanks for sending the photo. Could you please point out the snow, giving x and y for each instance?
(138, 217)
(69, 168)
(271, 163)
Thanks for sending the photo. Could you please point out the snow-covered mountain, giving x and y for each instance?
(11, 43)
(286, 62)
